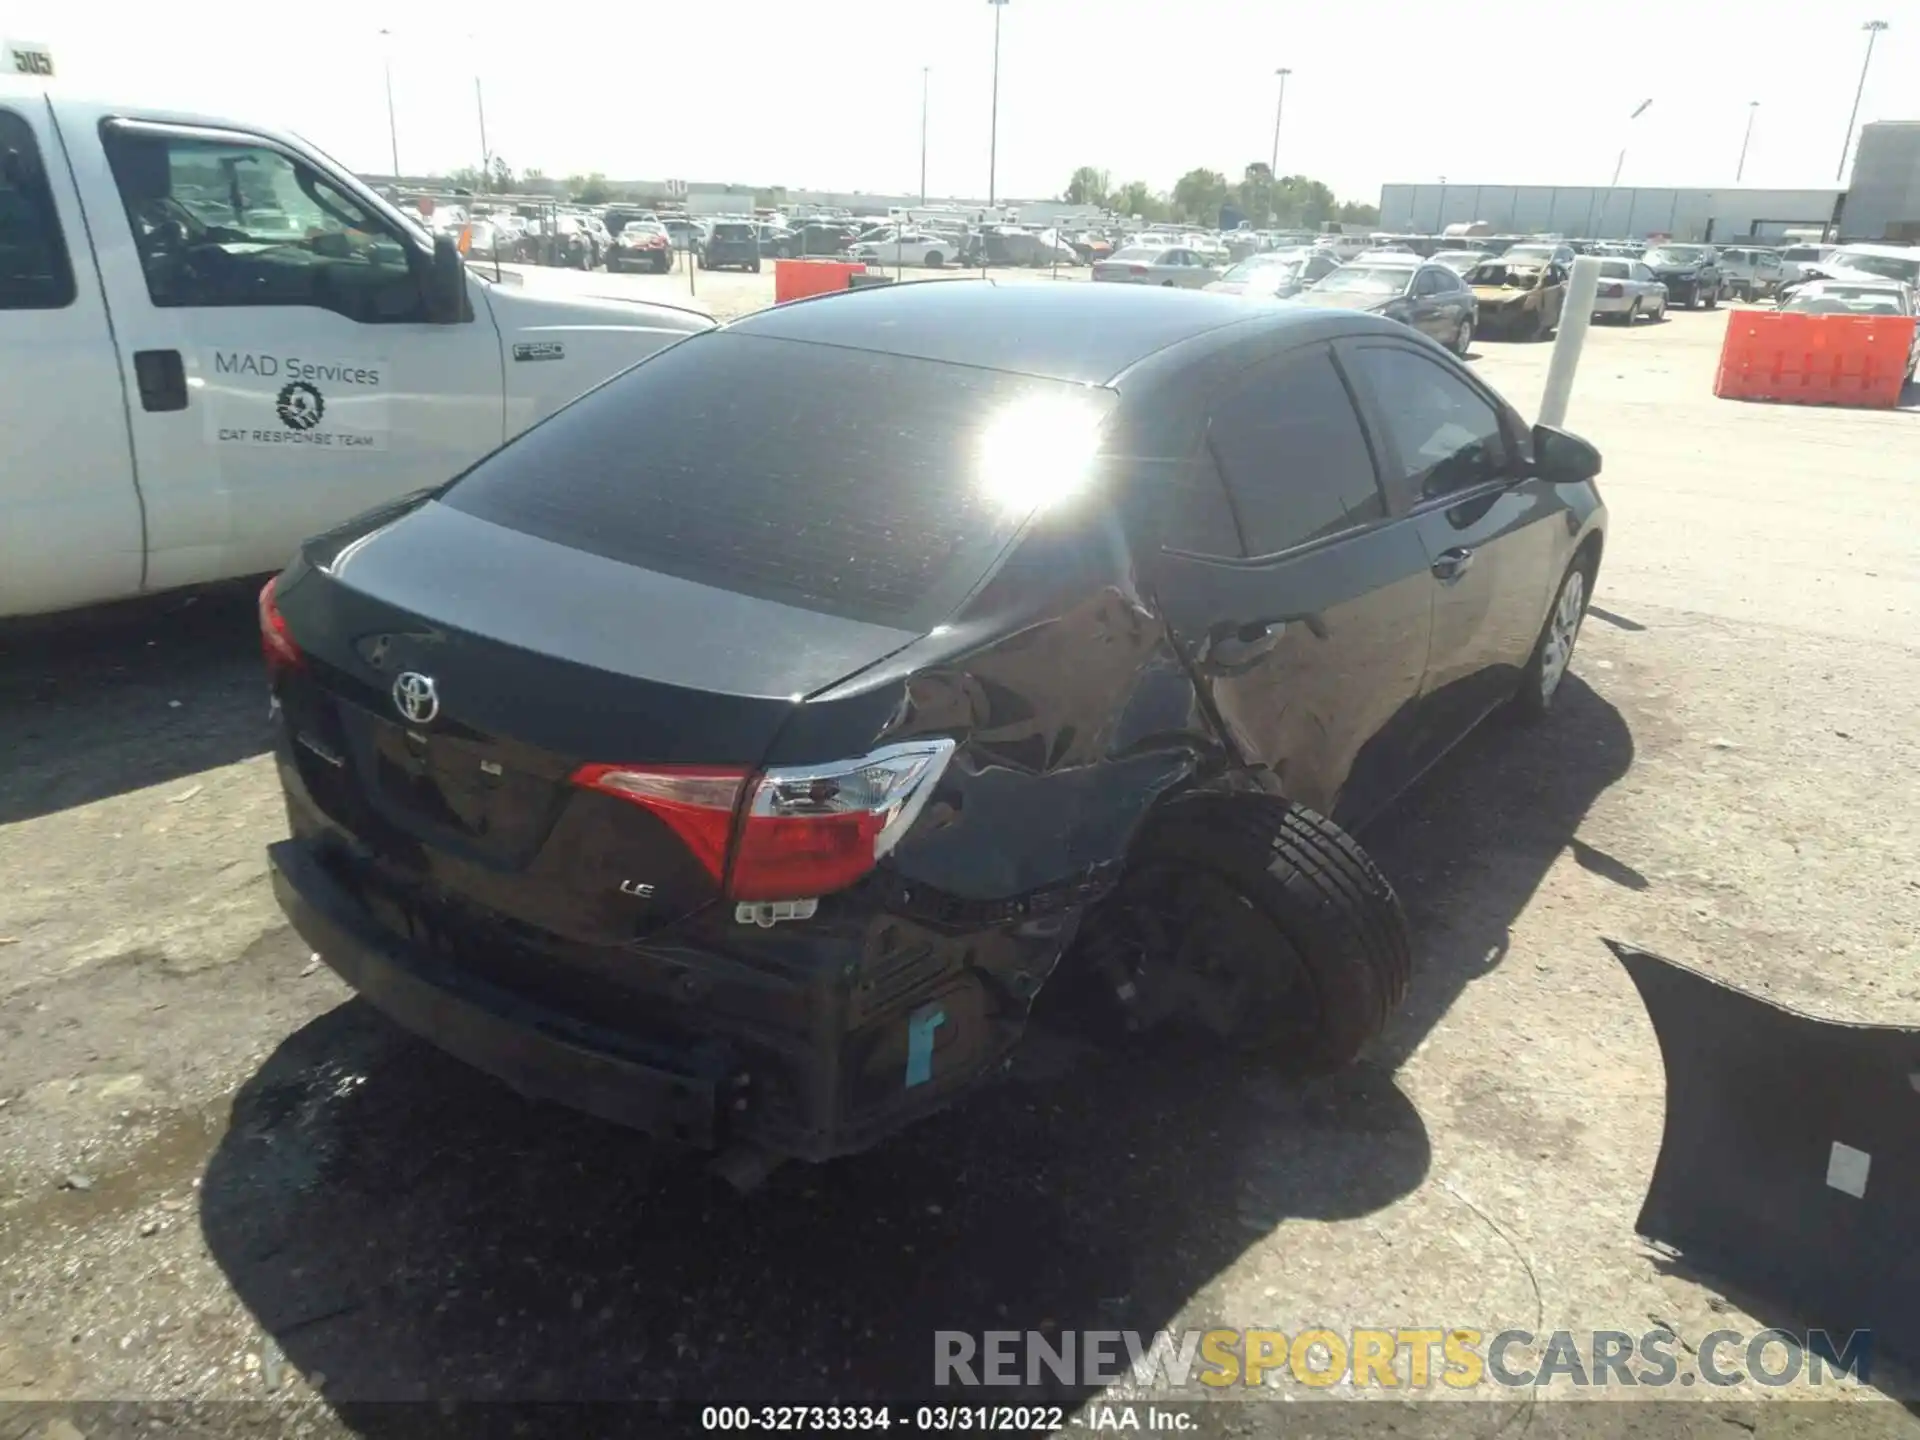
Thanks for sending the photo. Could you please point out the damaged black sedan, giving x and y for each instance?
(740, 753)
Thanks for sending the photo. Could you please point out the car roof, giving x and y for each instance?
(1087, 334)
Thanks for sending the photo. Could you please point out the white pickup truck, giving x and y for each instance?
(216, 342)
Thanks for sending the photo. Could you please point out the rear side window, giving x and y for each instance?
(1294, 456)
(874, 487)
(35, 273)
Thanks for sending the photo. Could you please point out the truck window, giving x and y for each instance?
(225, 223)
(35, 273)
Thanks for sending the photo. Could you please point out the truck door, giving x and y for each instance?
(69, 512)
(293, 378)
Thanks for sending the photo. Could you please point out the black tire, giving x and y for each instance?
(1295, 894)
(1633, 314)
(934, 260)
(1533, 701)
(1696, 298)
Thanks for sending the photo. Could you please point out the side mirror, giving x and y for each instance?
(446, 287)
(1563, 458)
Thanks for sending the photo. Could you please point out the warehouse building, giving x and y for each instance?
(1880, 202)
(1600, 212)
(1883, 200)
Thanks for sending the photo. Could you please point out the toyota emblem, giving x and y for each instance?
(415, 698)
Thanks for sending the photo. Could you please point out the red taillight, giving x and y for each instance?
(809, 830)
(1613, 292)
(1136, 269)
(276, 645)
(696, 802)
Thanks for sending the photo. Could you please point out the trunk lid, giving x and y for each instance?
(458, 673)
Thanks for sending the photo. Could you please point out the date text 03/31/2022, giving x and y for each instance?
(942, 1419)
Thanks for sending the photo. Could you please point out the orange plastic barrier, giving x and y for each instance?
(1815, 359)
(797, 279)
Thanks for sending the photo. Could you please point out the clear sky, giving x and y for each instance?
(828, 97)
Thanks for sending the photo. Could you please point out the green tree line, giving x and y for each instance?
(1289, 202)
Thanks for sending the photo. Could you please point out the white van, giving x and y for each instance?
(217, 342)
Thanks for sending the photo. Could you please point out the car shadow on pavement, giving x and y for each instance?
(95, 703)
(411, 1231)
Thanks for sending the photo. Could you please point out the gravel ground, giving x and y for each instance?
(223, 1179)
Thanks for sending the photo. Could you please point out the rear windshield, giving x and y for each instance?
(733, 232)
(832, 479)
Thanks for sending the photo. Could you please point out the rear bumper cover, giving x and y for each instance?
(538, 1054)
(811, 1039)
(1790, 1159)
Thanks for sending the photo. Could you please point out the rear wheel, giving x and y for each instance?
(1256, 923)
(1633, 314)
(1463, 339)
(934, 260)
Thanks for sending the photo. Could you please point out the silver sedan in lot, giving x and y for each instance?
(1278, 274)
(1858, 297)
(1174, 265)
(1628, 291)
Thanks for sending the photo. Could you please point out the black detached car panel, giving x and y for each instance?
(796, 694)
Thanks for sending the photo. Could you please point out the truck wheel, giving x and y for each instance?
(1256, 923)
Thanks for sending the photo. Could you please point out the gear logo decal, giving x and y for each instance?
(300, 405)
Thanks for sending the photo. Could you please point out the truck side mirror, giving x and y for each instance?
(446, 283)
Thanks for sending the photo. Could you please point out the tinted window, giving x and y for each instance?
(1447, 436)
(1293, 454)
(34, 270)
(833, 479)
(226, 223)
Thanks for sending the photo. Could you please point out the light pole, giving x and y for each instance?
(993, 130)
(393, 133)
(1273, 165)
(1873, 29)
(924, 71)
(486, 155)
(1619, 165)
(1741, 169)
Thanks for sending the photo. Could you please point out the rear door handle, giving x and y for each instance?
(1452, 564)
(162, 379)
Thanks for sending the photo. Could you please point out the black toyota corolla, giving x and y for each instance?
(741, 752)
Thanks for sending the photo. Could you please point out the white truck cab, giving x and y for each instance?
(217, 342)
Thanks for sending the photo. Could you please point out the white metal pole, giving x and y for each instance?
(1574, 321)
(1873, 29)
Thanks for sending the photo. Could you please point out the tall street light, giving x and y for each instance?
(1873, 29)
(393, 133)
(1619, 165)
(993, 132)
(924, 71)
(1741, 169)
(1273, 165)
